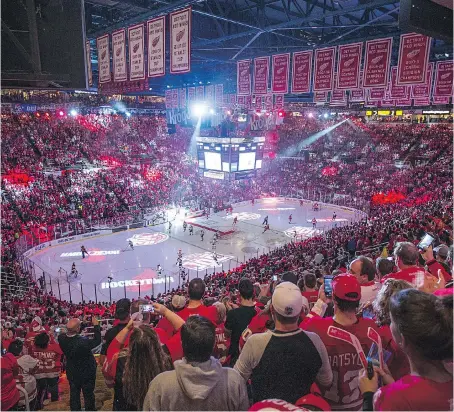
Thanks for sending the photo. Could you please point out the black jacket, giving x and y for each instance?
(80, 362)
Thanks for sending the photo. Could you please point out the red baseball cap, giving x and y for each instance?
(347, 287)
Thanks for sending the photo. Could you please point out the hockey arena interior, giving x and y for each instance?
(239, 205)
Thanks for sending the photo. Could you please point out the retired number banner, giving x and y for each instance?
(269, 102)
(357, 95)
(301, 72)
(443, 79)
(180, 41)
(258, 102)
(156, 30)
(396, 91)
(278, 101)
(338, 96)
(200, 93)
(413, 58)
(191, 94)
(219, 95)
(175, 102)
(320, 96)
(102, 44)
(182, 97)
(119, 56)
(376, 62)
(88, 59)
(377, 94)
(423, 90)
(348, 65)
(243, 77)
(422, 101)
(324, 69)
(280, 73)
(261, 73)
(440, 99)
(168, 99)
(209, 93)
(136, 40)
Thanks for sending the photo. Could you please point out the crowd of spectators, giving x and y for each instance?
(292, 317)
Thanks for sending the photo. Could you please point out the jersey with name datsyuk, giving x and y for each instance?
(344, 393)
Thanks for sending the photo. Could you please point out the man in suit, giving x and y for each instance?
(80, 363)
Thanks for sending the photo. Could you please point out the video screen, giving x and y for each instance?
(213, 161)
(247, 161)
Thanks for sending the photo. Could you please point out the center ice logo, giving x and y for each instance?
(302, 232)
(243, 216)
(148, 239)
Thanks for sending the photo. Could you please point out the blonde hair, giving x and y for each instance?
(221, 311)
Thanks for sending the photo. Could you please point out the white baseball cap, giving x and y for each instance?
(287, 300)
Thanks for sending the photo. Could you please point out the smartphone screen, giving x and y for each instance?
(146, 308)
(274, 278)
(328, 286)
(426, 241)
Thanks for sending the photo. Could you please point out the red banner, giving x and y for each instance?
(269, 102)
(102, 44)
(180, 41)
(280, 73)
(387, 103)
(248, 102)
(348, 65)
(120, 71)
(219, 95)
(414, 51)
(324, 69)
(136, 39)
(443, 79)
(301, 72)
(241, 100)
(175, 101)
(200, 93)
(258, 103)
(261, 74)
(320, 96)
(182, 98)
(403, 102)
(440, 99)
(423, 90)
(156, 30)
(243, 77)
(422, 101)
(278, 101)
(376, 62)
(191, 94)
(209, 93)
(168, 99)
(376, 94)
(395, 91)
(338, 96)
(232, 99)
(357, 95)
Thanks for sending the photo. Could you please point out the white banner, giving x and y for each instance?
(102, 44)
(180, 41)
(136, 40)
(119, 56)
(156, 29)
(88, 59)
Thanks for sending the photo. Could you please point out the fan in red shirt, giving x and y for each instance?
(422, 325)
(345, 359)
(9, 371)
(310, 292)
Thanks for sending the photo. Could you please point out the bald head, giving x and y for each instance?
(73, 326)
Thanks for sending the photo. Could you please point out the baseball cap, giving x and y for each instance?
(178, 301)
(287, 299)
(122, 308)
(442, 251)
(347, 287)
(274, 405)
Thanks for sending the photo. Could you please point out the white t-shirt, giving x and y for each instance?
(28, 381)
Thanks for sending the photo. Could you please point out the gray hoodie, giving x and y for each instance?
(197, 386)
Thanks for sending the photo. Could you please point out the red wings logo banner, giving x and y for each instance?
(156, 30)
(119, 56)
(102, 44)
(301, 72)
(261, 74)
(443, 79)
(180, 41)
(269, 102)
(278, 101)
(280, 73)
(324, 69)
(136, 37)
(376, 62)
(258, 103)
(348, 65)
(414, 51)
(423, 90)
(243, 77)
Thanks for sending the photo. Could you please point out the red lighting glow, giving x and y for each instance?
(61, 113)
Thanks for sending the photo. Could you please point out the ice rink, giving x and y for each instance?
(135, 271)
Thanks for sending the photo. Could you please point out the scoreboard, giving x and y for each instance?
(230, 158)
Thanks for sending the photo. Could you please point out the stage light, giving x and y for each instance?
(310, 114)
(211, 111)
(198, 109)
(229, 112)
(128, 114)
(61, 113)
(325, 115)
(37, 115)
(73, 112)
(280, 113)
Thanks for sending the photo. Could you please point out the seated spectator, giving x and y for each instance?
(364, 270)
(422, 325)
(199, 382)
(274, 360)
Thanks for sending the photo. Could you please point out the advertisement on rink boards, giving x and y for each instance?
(102, 44)
(301, 72)
(348, 65)
(376, 62)
(136, 39)
(120, 71)
(324, 69)
(414, 51)
(180, 41)
(156, 29)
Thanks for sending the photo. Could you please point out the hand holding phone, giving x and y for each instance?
(328, 286)
(146, 308)
(426, 242)
(274, 278)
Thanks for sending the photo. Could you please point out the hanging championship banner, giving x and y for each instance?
(248, 102)
(88, 60)
(233, 99)
(280, 72)
(403, 102)
(200, 93)
(320, 96)
(395, 91)
(338, 96)
(376, 94)
(180, 41)
(357, 95)
(269, 102)
(376, 62)
(258, 103)
(414, 51)
(182, 98)
(278, 101)
(301, 72)
(120, 73)
(348, 65)
(209, 93)
(387, 103)
(191, 94)
(423, 90)
(102, 44)
(443, 79)
(241, 100)
(169, 102)
(175, 101)
(243, 77)
(156, 30)
(440, 99)
(225, 100)
(261, 73)
(136, 40)
(324, 69)
(422, 101)
(219, 94)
